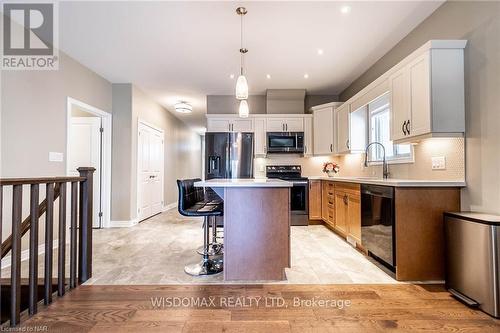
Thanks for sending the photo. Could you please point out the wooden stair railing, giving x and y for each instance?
(26, 225)
(80, 247)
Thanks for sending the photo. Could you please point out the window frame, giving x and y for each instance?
(376, 160)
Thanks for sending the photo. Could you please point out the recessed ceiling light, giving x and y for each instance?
(320, 51)
(345, 9)
(231, 76)
(268, 76)
(306, 76)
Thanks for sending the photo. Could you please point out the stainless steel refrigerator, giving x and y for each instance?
(228, 155)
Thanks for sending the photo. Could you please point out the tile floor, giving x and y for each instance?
(156, 250)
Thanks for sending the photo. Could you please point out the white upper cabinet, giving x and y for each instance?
(260, 137)
(343, 129)
(308, 136)
(285, 124)
(294, 124)
(427, 96)
(400, 110)
(351, 129)
(323, 129)
(229, 124)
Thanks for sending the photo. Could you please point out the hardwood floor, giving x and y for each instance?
(372, 308)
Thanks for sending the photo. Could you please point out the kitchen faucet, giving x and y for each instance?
(385, 168)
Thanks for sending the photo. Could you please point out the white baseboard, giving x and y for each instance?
(25, 254)
(170, 206)
(123, 224)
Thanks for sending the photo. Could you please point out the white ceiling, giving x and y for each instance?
(187, 50)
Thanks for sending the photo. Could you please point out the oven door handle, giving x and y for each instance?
(300, 182)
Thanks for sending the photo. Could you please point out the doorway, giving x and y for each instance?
(89, 144)
(150, 168)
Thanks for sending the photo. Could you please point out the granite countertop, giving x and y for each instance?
(254, 182)
(394, 182)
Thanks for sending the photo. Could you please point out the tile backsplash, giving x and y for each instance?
(452, 149)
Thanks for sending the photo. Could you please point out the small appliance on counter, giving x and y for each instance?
(473, 259)
(299, 193)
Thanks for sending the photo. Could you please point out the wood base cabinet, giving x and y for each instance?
(348, 210)
(328, 202)
(315, 200)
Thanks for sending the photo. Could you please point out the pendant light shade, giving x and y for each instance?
(241, 87)
(183, 107)
(243, 110)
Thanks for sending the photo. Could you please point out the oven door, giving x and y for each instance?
(291, 142)
(299, 203)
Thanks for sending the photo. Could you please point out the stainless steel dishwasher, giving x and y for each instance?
(472, 259)
(378, 234)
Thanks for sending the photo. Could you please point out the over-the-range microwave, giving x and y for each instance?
(285, 142)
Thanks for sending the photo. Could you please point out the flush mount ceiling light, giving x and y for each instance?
(183, 107)
(320, 51)
(306, 76)
(241, 83)
(268, 76)
(345, 9)
(243, 110)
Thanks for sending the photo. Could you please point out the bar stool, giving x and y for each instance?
(192, 202)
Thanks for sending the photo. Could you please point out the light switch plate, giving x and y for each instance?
(56, 157)
(439, 163)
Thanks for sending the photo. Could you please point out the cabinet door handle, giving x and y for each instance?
(286, 125)
(408, 127)
(305, 149)
(347, 144)
(403, 127)
(345, 199)
(331, 147)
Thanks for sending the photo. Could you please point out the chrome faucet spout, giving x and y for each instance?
(385, 167)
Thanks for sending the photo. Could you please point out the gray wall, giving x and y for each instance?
(479, 23)
(121, 173)
(33, 123)
(34, 107)
(182, 146)
(227, 104)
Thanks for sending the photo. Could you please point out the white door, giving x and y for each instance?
(275, 125)
(150, 171)
(294, 124)
(85, 151)
(323, 131)
(343, 129)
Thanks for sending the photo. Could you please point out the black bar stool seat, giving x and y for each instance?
(194, 203)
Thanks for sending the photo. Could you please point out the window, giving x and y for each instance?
(379, 131)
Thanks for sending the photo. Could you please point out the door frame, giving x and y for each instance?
(107, 125)
(138, 175)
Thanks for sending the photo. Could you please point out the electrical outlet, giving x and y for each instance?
(439, 163)
(56, 157)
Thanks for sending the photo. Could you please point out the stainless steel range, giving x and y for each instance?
(299, 193)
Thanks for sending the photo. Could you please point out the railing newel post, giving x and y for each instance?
(86, 218)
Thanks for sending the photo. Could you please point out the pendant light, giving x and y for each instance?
(243, 109)
(241, 83)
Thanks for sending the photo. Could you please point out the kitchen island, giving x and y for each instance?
(256, 227)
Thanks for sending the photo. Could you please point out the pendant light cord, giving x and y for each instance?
(241, 45)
